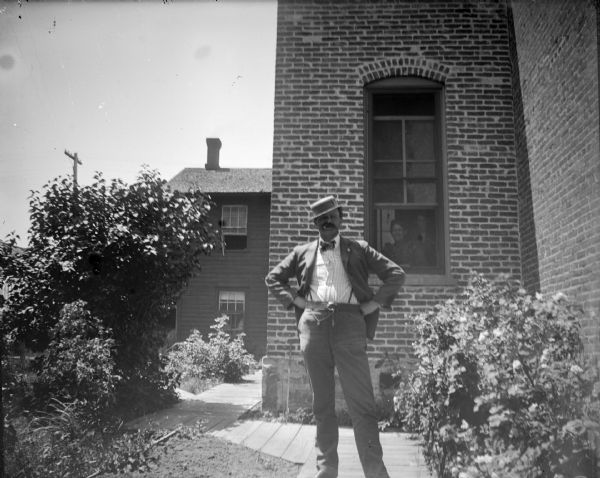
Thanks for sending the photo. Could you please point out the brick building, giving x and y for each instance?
(231, 279)
(474, 124)
(555, 52)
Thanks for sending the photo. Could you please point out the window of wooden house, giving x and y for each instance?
(234, 226)
(233, 305)
(406, 190)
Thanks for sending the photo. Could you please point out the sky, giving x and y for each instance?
(127, 84)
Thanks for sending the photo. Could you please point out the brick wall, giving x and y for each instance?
(557, 45)
(327, 51)
(530, 269)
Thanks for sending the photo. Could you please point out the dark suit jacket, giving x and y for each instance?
(359, 260)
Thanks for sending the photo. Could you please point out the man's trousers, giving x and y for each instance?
(335, 336)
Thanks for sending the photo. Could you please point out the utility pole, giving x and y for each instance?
(76, 161)
(75, 203)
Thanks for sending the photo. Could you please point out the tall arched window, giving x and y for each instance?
(406, 172)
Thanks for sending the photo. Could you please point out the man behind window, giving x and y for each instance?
(336, 311)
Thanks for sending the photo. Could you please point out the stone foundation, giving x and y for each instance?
(285, 384)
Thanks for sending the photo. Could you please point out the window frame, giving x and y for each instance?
(399, 85)
(242, 319)
(240, 239)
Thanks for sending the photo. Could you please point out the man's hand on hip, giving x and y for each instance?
(369, 307)
(300, 302)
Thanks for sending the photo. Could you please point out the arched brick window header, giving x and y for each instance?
(395, 67)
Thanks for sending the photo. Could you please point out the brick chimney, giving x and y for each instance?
(213, 146)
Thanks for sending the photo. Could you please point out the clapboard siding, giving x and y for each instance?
(235, 270)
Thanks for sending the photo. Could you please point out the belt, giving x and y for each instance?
(312, 305)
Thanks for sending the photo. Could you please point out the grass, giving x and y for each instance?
(60, 447)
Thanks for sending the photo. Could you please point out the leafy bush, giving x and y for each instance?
(78, 365)
(502, 388)
(402, 416)
(221, 357)
(126, 250)
(17, 380)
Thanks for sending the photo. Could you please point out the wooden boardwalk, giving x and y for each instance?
(212, 409)
(218, 410)
(295, 443)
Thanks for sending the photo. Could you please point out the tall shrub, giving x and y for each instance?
(502, 388)
(127, 251)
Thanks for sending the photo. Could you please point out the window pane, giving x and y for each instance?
(424, 193)
(409, 237)
(423, 239)
(420, 140)
(231, 296)
(388, 169)
(420, 170)
(403, 104)
(387, 140)
(233, 304)
(234, 220)
(235, 242)
(388, 192)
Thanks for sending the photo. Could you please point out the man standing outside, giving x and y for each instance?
(336, 311)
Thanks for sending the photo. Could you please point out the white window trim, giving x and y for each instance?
(233, 297)
(241, 214)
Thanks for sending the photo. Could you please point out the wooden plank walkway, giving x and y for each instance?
(218, 410)
(212, 409)
(295, 443)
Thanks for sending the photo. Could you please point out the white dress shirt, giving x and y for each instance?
(330, 282)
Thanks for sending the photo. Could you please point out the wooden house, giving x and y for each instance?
(231, 280)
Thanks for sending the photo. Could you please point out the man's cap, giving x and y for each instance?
(323, 206)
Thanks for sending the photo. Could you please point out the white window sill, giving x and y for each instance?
(419, 280)
(430, 279)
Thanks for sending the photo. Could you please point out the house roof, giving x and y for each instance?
(238, 180)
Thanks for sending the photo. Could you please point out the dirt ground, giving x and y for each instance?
(204, 456)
